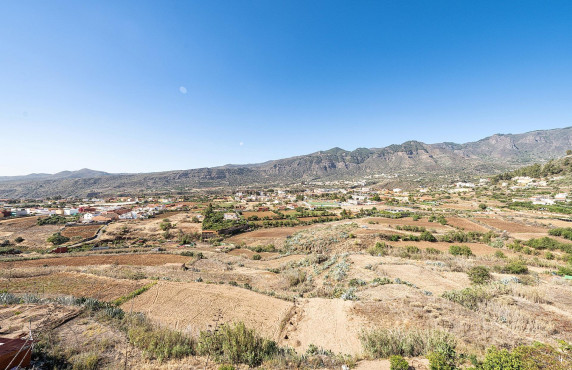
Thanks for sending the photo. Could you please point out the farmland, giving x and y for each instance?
(320, 289)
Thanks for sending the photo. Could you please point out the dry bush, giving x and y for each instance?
(532, 294)
(383, 343)
(295, 277)
(516, 317)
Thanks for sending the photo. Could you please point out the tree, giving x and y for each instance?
(58, 239)
(569, 152)
(483, 206)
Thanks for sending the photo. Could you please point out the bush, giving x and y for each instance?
(9, 251)
(432, 251)
(565, 232)
(257, 257)
(427, 236)
(501, 359)
(53, 220)
(19, 239)
(236, 344)
(479, 275)
(500, 254)
(549, 255)
(398, 363)
(58, 239)
(226, 367)
(460, 250)
(515, 267)
(166, 225)
(383, 343)
(158, 342)
(412, 249)
(296, 277)
(380, 249)
(549, 243)
(85, 361)
(468, 297)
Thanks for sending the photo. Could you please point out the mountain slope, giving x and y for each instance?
(491, 155)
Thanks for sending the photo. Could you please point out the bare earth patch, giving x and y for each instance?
(117, 259)
(192, 307)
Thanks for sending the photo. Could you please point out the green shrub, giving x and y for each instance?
(236, 344)
(564, 271)
(431, 250)
(549, 255)
(166, 225)
(226, 367)
(496, 359)
(500, 254)
(263, 248)
(468, 297)
(549, 243)
(380, 249)
(515, 267)
(58, 239)
(398, 363)
(9, 251)
(382, 343)
(427, 236)
(159, 343)
(412, 249)
(119, 301)
(460, 250)
(479, 275)
(19, 239)
(565, 232)
(257, 257)
(438, 361)
(85, 361)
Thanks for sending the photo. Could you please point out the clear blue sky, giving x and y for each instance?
(138, 86)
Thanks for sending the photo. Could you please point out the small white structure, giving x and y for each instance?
(128, 216)
(88, 217)
(70, 211)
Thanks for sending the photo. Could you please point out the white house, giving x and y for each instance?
(128, 216)
(230, 216)
(70, 211)
(88, 217)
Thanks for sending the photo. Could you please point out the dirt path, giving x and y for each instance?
(331, 324)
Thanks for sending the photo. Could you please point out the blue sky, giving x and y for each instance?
(139, 86)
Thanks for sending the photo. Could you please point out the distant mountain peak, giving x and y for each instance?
(335, 150)
(444, 161)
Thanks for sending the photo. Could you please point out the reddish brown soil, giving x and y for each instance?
(466, 224)
(118, 259)
(511, 227)
(83, 232)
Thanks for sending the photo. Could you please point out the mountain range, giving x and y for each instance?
(413, 162)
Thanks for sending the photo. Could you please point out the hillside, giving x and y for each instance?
(492, 155)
